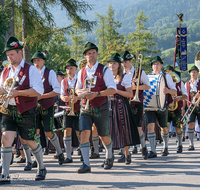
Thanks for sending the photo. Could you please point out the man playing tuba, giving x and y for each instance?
(175, 114)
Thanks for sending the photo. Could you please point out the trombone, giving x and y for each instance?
(135, 79)
(190, 110)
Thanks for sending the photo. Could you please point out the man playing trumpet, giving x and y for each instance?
(70, 121)
(98, 109)
(175, 113)
(192, 86)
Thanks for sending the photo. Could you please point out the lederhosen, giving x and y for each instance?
(137, 107)
(175, 116)
(70, 121)
(196, 112)
(123, 127)
(98, 109)
(46, 106)
(22, 117)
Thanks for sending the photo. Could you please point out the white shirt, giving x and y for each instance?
(70, 83)
(52, 79)
(35, 80)
(126, 81)
(193, 87)
(143, 79)
(183, 89)
(108, 76)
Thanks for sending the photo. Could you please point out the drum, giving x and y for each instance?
(58, 117)
(154, 99)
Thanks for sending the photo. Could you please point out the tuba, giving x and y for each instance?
(135, 79)
(8, 84)
(174, 105)
(71, 104)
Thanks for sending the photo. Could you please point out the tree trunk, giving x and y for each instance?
(11, 30)
(26, 50)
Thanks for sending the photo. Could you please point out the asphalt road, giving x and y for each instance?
(176, 171)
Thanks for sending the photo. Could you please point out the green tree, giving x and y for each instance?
(141, 41)
(107, 32)
(58, 52)
(77, 39)
(5, 19)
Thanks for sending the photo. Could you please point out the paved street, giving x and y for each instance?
(176, 171)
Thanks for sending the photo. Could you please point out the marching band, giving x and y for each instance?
(103, 104)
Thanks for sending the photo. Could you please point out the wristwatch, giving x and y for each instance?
(99, 94)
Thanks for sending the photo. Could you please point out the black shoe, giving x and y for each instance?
(67, 160)
(100, 149)
(4, 180)
(179, 149)
(134, 150)
(152, 155)
(164, 152)
(46, 151)
(144, 153)
(197, 139)
(128, 159)
(21, 160)
(84, 169)
(122, 159)
(183, 139)
(108, 164)
(41, 174)
(52, 151)
(28, 167)
(34, 164)
(186, 137)
(11, 162)
(191, 148)
(61, 158)
(79, 152)
(102, 165)
(120, 152)
(94, 156)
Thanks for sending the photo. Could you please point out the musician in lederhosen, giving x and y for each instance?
(175, 115)
(46, 102)
(70, 122)
(137, 107)
(161, 116)
(123, 127)
(22, 108)
(192, 87)
(98, 109)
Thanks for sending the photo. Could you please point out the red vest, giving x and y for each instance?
(100, 85)
(77, 104)
(190, 98)
(140, 91)
(23, 103)
(47, 102)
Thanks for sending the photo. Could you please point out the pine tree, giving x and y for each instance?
(77, 39)
(141, 41)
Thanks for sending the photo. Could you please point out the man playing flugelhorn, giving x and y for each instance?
(70, 121)
(176, 115)
(192, 86)
(98, 105)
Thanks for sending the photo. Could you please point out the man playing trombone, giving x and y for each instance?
(97, 109)
(137, 107)
(174, 111)
(192, 86)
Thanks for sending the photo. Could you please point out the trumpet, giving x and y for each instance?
(137, 79)
(4, 107)
(71, 104)
(190, 110)
(92, 82)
